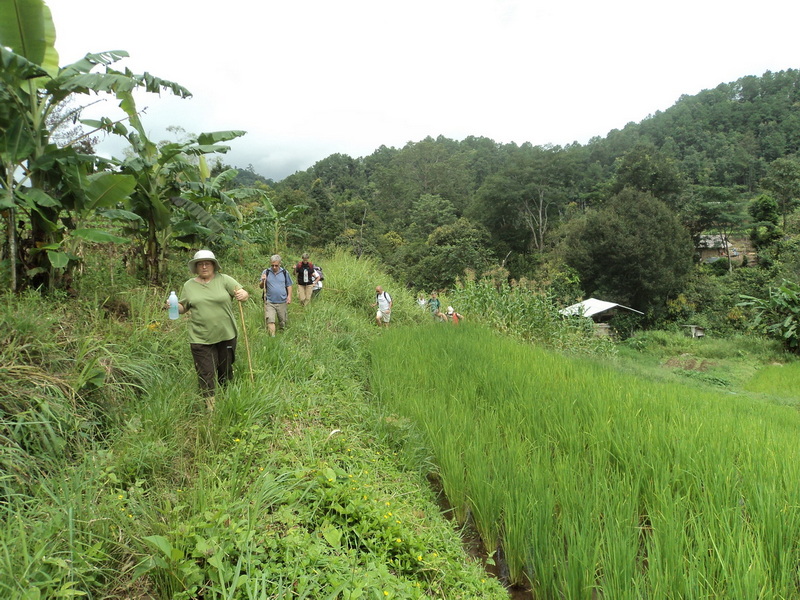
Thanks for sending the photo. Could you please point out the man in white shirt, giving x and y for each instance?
(384, 303)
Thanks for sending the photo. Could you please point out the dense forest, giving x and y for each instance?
(621, 216)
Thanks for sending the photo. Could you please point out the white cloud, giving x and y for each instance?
(313, 77)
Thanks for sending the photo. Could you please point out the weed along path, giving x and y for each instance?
(353, 520)
(594, 483)
(292, 487)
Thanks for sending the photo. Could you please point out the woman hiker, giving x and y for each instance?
(212, 325)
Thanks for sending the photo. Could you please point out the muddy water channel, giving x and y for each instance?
(495, 566)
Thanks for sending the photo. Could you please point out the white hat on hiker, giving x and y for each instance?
(203, 255)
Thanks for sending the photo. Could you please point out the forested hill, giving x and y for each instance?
(436, 208)
(724, 136)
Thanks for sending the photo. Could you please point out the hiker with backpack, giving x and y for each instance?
(277, 286)
(319, 276)
(435, 306)
(305, 279)
(453, 316)
(384, 303)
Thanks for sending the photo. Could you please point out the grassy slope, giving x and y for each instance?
(737, 364)
(633, 449)
(290, 489)
(294, 481)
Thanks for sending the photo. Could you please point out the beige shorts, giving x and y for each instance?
(271, 311)
(383, 316)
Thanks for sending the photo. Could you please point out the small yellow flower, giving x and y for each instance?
(237, 440)
(385, 593)
(419, 557)
(399, 541)
(120, 496)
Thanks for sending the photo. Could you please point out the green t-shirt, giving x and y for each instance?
(211, 318)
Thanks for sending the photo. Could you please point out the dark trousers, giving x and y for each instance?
(214, 364)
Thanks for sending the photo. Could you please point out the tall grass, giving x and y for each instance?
(597, 482)
(286, 489)
(779, 381)
(528, 314)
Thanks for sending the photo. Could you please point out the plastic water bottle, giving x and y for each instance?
(173, 306)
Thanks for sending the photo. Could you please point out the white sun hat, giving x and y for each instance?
(203, 255)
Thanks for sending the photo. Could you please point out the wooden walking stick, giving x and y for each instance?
(246, 342)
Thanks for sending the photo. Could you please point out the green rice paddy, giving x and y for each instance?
(593, 483)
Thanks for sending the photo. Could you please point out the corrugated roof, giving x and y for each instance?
(593, 306)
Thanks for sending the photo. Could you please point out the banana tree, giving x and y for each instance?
(46, 189)
(271, 227)
(211, 214)
(161, 172)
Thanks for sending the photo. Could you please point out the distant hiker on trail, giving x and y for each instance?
(421, 300)
(316, 289)
(305, 279)
(384, 303)
(277, 285)
(435, 306)
(212, 327)
(453, 316)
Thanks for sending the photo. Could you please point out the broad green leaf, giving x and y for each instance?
(17, 143)
(15, 68)
(205, 172)
(217, 561)
(207, 149)
(122, 83)
(91, 60)
(5, 200)
(332, 535)
(58, 259)
(200, 214)
(162, 544)
(99, 236)
(106, 189)
(37, 197)
(26, 27)
(118, 214)
(214, 137)
(100, 82)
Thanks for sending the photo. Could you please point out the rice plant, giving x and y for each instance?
(600, 482)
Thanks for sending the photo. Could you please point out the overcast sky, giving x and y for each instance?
(310, 78)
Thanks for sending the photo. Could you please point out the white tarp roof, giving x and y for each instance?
(592, 306)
